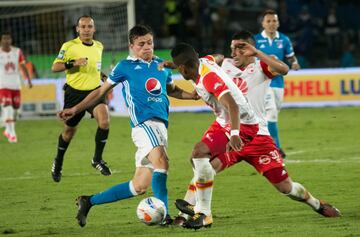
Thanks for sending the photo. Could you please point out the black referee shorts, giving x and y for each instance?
(72, 97)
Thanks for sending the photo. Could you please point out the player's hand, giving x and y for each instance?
(80, 62)
(246, 49)
(66, 114)
(295, 66)
(235, 144)
(167, 64)
(195, 95)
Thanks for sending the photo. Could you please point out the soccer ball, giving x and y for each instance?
(151, 211)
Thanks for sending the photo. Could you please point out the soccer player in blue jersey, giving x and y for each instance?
(145, 90)
(272, 42)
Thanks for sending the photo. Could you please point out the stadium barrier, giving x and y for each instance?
(304, 88)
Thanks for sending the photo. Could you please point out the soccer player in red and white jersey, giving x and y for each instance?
(253, 77)
(235, 125)
(12, 60)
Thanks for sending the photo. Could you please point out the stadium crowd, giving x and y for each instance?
(322, 31)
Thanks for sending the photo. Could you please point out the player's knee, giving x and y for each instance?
(200, 150)
(284, 186)
(68, 134)
(104, 124)
(159, 159)
(140, 189)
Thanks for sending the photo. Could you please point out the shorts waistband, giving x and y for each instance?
(67, 87)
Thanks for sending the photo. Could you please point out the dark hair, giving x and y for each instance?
(268, 12)
(83, 16)
(244, 35)
(5, 32)
(184, 54)
(139, 30)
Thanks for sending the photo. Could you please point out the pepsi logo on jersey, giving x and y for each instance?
(153, 86)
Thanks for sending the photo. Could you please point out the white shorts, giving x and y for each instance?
(146, 136)
(273, 100)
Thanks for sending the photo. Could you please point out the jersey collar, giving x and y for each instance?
(263, 34)
(131, 58)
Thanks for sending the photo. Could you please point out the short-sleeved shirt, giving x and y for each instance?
(253, 80)
(9, 68)
(144, 89)
(280, 47)
(212, 83)
(82, 77)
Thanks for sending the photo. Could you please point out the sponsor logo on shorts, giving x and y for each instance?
(267, 159)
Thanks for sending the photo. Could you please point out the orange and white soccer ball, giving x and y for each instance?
(151, 211)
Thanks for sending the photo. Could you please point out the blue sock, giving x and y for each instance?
(159, 187)
(115, 193)
(273, 129)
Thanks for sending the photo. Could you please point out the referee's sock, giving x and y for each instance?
(61, 149)
(100, 142)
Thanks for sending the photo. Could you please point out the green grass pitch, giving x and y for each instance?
(323, 147)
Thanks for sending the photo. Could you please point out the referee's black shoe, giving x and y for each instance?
(56, 170)
(101, 166)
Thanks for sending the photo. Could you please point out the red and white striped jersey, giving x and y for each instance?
(254, 80)
(9, 68)
(212, 83)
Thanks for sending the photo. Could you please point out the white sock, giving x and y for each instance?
(8, 117)
(204, 178)
(299, 193)
(190, 196)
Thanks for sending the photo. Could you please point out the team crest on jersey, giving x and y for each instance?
(241, 84)
(279, 44)
(153, 86)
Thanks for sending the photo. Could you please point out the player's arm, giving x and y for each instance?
(26, 73)
(228, 101)
(294, 62)
(178, 93)
(276, 66)
(89, 101)
(62, 66)
(218, 58)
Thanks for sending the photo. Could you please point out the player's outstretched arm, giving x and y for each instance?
(178, 93)
(60, 66)
(89, 101)
(167, 64)
(294, 63)
(276, 66)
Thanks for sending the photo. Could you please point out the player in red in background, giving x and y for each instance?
(253, 76)
(234, 127)
(12, 60)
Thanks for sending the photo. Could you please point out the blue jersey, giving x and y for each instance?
(144, 89)
(280, 47)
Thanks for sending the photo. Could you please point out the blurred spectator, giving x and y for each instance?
(172, 19)
(347, 58)
(332, 33)
(304, 37)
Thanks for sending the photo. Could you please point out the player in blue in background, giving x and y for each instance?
(272, 42)
(145, 90)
